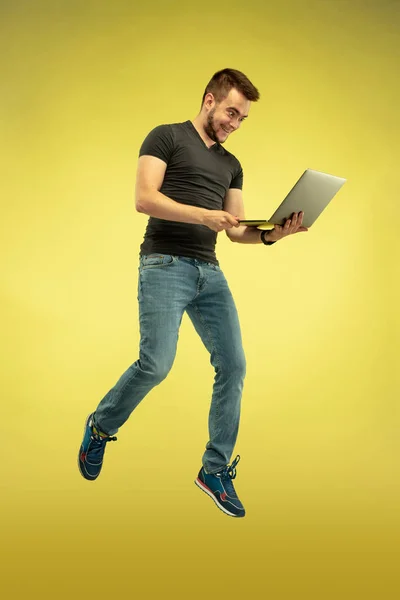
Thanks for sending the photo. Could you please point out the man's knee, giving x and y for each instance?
(156, 370)
(234, 366)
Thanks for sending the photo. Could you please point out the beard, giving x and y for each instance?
(210, 128)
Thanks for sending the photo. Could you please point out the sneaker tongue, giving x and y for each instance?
(227, 481)
(99, 433)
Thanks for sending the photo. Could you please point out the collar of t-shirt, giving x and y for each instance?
(215, 147)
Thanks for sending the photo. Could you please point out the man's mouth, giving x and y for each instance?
(223, 129)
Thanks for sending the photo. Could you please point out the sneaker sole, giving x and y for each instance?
(88, 478)
(207, 490)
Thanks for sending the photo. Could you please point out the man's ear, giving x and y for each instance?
(209, 100)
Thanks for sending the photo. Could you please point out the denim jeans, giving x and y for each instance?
(167, 287)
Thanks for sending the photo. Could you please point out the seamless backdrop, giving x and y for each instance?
(82, 83)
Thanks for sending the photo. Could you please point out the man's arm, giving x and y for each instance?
(233, 204)
(149, 199)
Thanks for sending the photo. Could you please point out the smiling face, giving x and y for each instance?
(225, 117)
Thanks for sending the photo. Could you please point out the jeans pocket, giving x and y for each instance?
(151, 261)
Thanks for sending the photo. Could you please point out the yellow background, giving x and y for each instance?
(82, 85)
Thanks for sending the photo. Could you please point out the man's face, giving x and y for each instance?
(227, 116)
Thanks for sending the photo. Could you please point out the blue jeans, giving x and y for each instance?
(167, 287)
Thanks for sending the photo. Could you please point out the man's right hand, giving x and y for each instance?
(218, 220)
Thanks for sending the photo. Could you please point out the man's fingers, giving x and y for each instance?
(293, 226)
(296, 222)
(300, 220)
(233, 221)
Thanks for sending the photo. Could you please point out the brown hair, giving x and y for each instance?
(223, 81)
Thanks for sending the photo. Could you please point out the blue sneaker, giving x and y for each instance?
(220, 488)
(90, 459)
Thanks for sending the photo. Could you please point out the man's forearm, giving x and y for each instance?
(246, 235)
(160, 206)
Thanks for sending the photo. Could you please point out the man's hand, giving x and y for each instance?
(292, 225)
(218, 220)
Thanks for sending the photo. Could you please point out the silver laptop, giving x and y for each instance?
(311, 194)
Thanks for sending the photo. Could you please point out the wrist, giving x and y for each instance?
(266, 238)
(202, 214)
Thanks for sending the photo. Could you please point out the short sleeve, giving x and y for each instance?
(159, 143)
(237, 181)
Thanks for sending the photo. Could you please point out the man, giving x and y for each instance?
(191, 187)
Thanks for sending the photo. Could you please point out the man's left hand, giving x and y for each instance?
(293, 225)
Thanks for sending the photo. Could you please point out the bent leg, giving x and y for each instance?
(162, 301)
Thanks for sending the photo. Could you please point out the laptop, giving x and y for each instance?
(311, 194)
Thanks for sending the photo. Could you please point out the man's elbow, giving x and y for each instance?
(138, 202)
(231, 235)
(140, 208)
(141, 202)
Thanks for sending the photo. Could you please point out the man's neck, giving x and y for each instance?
(197, 123)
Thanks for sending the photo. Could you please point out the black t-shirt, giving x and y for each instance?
(195, 175)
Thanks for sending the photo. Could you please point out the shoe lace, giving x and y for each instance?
(228, 474)
(98, 443)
